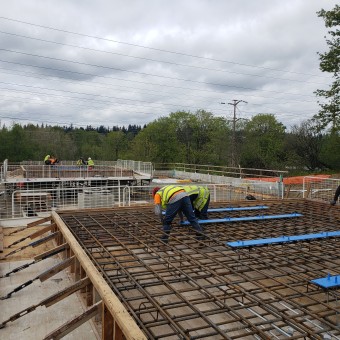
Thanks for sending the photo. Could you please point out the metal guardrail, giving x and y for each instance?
(237, 172)
(40, 201)
(70, 169)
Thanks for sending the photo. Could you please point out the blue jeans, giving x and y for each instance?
(184, 205)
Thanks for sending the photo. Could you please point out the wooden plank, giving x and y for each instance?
(55, 269)
(46, 253)
(68, 327)
(43, 220)
(42, 231)
(1, 240)
(119, 313)
(51, 300)
(66, 292)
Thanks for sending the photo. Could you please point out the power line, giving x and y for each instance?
(159, 61)
(141, 73)
(156, 49)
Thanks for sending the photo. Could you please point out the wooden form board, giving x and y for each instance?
(1, 240)
(120, 315)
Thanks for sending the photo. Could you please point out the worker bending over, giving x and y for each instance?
(173, 199)
(50, 160)
(200, 199)
(81, 161)
(336, 196)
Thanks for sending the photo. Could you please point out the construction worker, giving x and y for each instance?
(90, 163)
(81, 161)
(173, 199)
(200, 199)
(50, 160)
(336, 196)
(47, 159)
(54, 160)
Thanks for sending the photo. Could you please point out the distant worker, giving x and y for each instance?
(173, 199)
(90, 163)
(200, 199)
(54, 160)
(336, 196)
(47, 159)
(50, 160)
(81, 161)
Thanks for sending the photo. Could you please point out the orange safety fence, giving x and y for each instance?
(293, 180)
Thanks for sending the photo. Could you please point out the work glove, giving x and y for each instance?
(333, 202)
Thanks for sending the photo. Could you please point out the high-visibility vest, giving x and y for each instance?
(202, 195)
(47, 158)
(90, 162)
(166, 193)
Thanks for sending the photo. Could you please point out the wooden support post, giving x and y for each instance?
(118, 334)
(82, 275)
(89, 295)
(77, 270)
(73, 263)
(107, 328)
(96, 298)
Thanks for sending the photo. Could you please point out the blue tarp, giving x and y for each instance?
(283, 239)
(328, 282)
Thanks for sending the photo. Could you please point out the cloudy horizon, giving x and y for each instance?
(115, 63)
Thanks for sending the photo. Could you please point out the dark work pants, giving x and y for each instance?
(172, 210)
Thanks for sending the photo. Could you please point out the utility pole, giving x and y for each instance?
(233, 142)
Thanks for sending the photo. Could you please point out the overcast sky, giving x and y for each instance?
(124, 62)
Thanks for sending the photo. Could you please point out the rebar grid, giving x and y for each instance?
(206, 290)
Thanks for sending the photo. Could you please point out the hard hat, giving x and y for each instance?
(154, 191)
(89, 158)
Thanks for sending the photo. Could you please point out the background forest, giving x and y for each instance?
(184, 137)
(200, 137)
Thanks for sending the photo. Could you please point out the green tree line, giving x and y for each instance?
(183, 137)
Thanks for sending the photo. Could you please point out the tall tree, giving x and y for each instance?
(306, 143)
(263, 146)
(330, 62)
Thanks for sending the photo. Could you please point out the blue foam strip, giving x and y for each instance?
(247, 218)
(283, 239)
(328, 281)
(256, 207)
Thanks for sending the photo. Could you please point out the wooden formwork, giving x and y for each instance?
(139, 288)
(116, 321)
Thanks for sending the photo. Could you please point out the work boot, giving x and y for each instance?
(165, 237)
(200, 237)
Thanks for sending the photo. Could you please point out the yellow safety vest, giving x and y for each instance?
(202, 195)
(166, 193)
